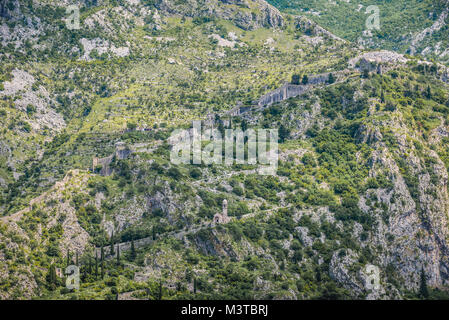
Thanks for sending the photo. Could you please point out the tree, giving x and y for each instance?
(365, 74)
(429, 92)
(296, 79)
(76, 259)
(194, 285)
(305, 79)
(221, 128)
(68, 258)
(112, 244)
(133, 251)
(102, 269)
(174, 173)
(423, 290)
(118, 254)
(331, 78)
(188, 275)
(89, 270)
(51, 276)
(102, 261)
(195, 173)
(131, 126)
(284, 133)
(244, 124)
(96, 264)
(382, 97)
(160, 289)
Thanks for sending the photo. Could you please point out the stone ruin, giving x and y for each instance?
(289, 90)
(59, 273)
(121, 152)
(285, 92)
(377, 61)
(221, 218)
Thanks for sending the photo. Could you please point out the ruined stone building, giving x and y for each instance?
(222, 217)
(121, 152)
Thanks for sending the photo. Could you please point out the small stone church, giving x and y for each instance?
(222, 217)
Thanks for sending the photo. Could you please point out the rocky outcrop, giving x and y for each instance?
(101, 47)
(414, 236)
(72, 237)
(417, 39)
(246, 14)
(371, 61)
(9, 9)
(21, 86)
(310, 28)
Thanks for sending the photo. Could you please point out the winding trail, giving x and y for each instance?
(126, 246)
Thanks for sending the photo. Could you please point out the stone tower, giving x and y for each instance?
(380, 69)
(225, 209)
(94, 163)
(223, 216)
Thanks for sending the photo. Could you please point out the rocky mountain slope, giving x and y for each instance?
(86, 176)
(416, 27)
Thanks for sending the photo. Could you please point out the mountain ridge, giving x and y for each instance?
(363, 165)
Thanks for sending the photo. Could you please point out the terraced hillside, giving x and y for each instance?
(86, 176)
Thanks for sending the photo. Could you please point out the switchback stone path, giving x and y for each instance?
(126, 246)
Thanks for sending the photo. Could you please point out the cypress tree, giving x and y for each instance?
(305, 79)
(133, 251)
(423, 290)
(51, 277)
(102, 269)
(89, 270)
(221, 128)
(160, 289)
(194, 285)
(331, 78)
(118, 254)
(68, 258)
(244, 124)
(112, 244)
(102, 261)
(76, 259)
(96, 264)
(296, 78)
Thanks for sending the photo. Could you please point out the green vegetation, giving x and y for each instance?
(86, 176)
(398, 19)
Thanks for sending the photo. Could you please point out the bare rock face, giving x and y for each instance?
(9, 9)
(312, 29)
(414, 236)
(371, 60)
(419, 38)
(261, 14)
(45, 116)
(339, 270)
